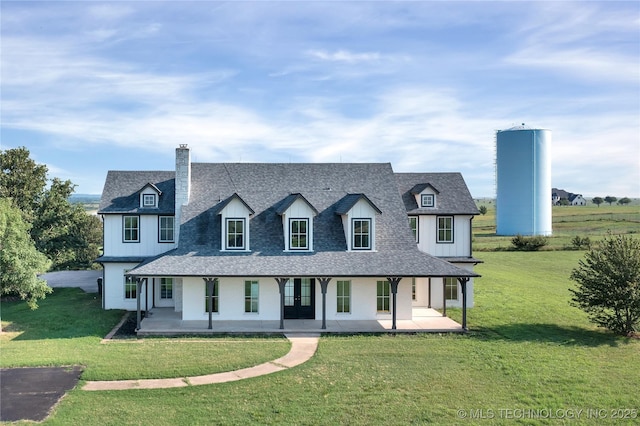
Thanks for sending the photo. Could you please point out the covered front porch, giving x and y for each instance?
(165, 321)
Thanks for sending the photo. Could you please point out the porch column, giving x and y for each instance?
(324, 284)
(281, 283)
(463, 283)
(444, 297)
(394, 281)
(138, 291)
(146, 300)
(429, 292)
(210, 282)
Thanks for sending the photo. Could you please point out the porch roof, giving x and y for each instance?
(211, 263)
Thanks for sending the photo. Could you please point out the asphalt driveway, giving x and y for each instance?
(31, 393)
(86, 280)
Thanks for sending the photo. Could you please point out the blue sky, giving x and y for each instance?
(94, 86)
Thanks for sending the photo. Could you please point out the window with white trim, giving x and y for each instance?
(445, 229)
(235, 231)
(299, 234)
(451, 288)
(215, 297)
(166, 229)
(427, 200)
(361, 230)
(130, 287)
(131, 229)
(343, 297)
(413, 223)
(148, 200)
(383, 296)
(251, 296)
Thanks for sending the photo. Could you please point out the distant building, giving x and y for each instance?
(557, 195)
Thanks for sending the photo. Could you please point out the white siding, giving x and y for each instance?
(231, 300)
(428, 230)
(113, 288)
(148, 245)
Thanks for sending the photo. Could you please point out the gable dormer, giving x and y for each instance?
(149, 196)
(297, 222)
(358, 214)
(425, 195)
(235, 214)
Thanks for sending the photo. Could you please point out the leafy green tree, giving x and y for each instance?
(65, 232)
(609, 199)
(609, 284)
(22, 180)
(19, 260)
(564, 202)
(483, 210)
(624, 200)
(597, 201)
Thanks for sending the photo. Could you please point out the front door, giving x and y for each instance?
(299, 298)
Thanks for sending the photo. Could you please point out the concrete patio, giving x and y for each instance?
(165, 321)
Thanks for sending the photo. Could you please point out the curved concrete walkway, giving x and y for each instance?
(303, 346)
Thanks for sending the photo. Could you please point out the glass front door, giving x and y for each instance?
(299, 298)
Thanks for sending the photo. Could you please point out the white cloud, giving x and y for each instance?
(344, 56)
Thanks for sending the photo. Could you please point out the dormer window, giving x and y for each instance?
(235, 234)
(149, 196)
(235, 224)
(148, 200)
(427, 200)
(299, 234)
(358, 215)
(297, 222)
(425, 195)
(361, 234)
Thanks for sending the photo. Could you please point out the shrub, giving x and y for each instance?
(579, 243)
(609, 284)
(528, 243)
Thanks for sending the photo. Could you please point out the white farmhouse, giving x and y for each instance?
(258, 242)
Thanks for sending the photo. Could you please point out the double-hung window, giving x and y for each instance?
(131, 229)
(236, 234)
(383, 296)
(166, 288)
(451, 288)
(130, 287)
(361, 234)
(165, 231)
(251, 296)
(299, 234)
(445, 229)
(343, 296)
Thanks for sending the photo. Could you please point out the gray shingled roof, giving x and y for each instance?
(121, 192)
(264, 187)
(453, 196)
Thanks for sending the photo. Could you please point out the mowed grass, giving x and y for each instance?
(69, 325)
(527, 350)
(567, 222)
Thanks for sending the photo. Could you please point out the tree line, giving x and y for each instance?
(609, 199)
(40, 229)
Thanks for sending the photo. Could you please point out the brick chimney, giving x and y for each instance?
(183, 182)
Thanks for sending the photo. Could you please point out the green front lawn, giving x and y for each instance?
(528, 350)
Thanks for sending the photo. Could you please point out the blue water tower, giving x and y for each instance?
(523, 179)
